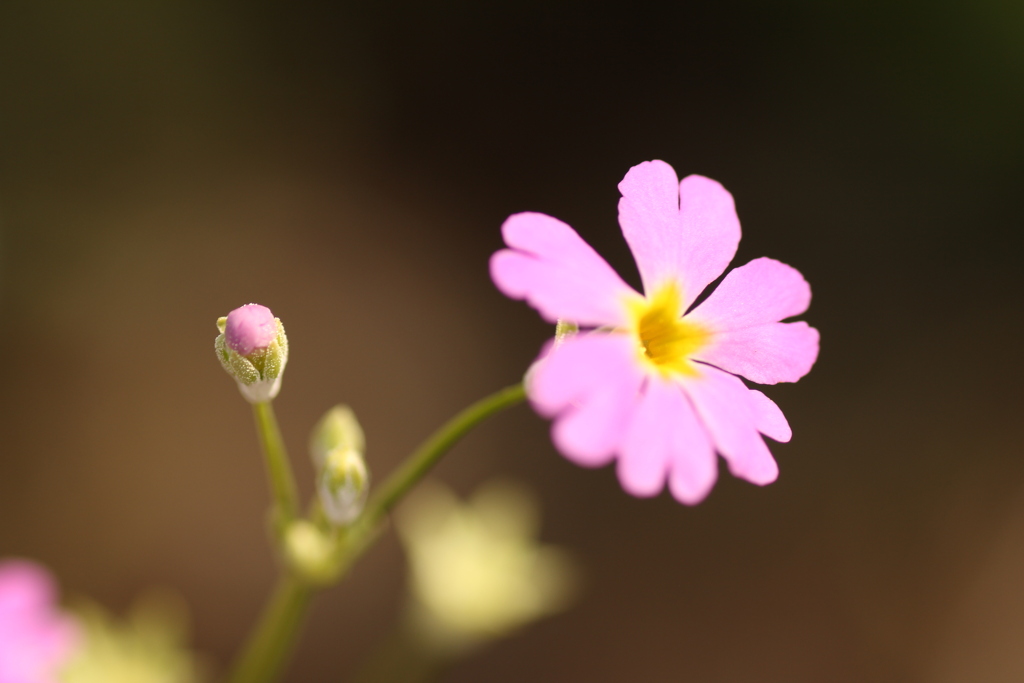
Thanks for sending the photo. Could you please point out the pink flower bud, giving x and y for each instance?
(249, 328)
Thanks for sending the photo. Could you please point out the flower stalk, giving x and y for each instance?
(430, 451)
(279, 469)
(270, 644)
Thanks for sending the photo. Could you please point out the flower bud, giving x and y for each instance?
(253, 349)
(342, 485)
(309, 551)
(338, 428)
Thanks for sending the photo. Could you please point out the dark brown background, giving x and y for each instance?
(163, 162)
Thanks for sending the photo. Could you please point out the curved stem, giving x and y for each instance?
(271, 643)
(430, 451)
(279, 468)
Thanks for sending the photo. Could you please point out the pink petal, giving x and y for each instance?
(589, 434)
(665, 437)
(646, 449)
(556, 272)
(250, 327)
(766, 354)
(729, 414)
(768, 418)
(694, 463)
(685, 231)
(25, 588)
(762, 291)
(589, 384)
(35, 637)
(742, 313)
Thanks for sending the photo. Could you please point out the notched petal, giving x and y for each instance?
(555, 271)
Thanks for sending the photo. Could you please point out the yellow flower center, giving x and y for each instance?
(666, 340)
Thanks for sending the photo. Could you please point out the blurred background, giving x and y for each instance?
(349, 165)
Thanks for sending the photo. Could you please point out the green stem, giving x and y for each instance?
(431, 450)
(279, 469)
(271, 643)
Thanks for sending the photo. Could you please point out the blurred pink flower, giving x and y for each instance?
(656, 386)
(35, 637)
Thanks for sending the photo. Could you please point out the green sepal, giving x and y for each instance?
(242, 369)
(235, 365)
(221, 347)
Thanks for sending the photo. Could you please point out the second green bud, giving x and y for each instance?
(337, 446)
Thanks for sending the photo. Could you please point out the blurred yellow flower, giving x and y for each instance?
(477, 571)
(147, 647)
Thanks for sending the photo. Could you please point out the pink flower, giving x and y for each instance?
(250, 327)
(655, 385)
(35, 637)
